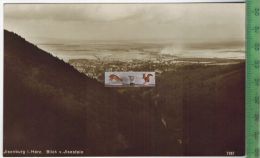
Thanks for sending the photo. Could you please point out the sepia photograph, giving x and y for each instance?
(132, 79)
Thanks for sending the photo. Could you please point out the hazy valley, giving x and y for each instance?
(196, 107)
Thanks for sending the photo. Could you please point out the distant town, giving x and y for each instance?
(95, 68)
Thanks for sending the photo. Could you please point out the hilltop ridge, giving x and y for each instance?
(50, 105)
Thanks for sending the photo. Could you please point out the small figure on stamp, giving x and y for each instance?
(147, 78)
(114, 77)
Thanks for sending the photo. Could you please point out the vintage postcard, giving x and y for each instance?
(149, 79)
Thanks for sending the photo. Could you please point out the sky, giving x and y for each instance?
(200, 22)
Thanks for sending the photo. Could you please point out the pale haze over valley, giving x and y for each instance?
(72, 31)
